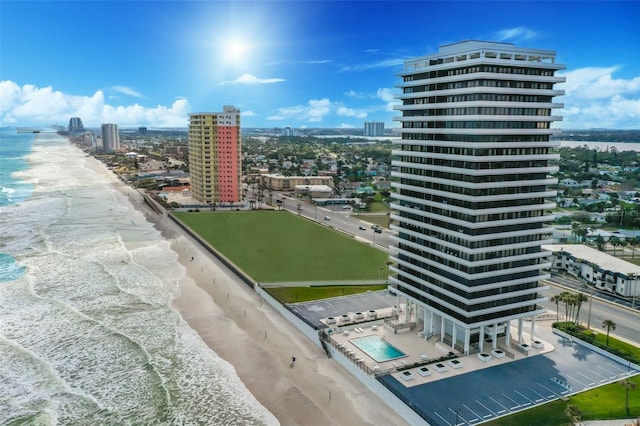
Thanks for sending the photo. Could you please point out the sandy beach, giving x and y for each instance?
(232, 320)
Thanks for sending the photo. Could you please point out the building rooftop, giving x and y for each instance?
(603, 260)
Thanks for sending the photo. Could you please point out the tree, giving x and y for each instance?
(579, 300)
(615, 242)
(574, 229)
(628, 385)
(574, 413)
(565, 297)
(556, 298)
(609, 325)
(633, 243)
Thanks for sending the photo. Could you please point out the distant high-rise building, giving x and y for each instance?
(75, 126)
(142, 131)
(373, 128)
(110, 137)
(287, 131)
(215, 156)
(471, 193)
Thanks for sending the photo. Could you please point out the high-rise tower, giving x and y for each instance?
(471, 201)
(215, 156)
(75, 126)
(110, 137)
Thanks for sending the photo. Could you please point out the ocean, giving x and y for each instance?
(88, 334)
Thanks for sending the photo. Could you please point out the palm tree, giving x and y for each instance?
(582, 232)
(574, 230)
(628, 385)
(609, 325)
(633, 243)
(574, 413)
(556, 298)
(623, 244)
(615, 242)
(565, 296)
(580, 299)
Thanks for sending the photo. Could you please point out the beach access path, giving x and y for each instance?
(235, 323)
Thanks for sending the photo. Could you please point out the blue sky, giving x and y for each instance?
(290, 63)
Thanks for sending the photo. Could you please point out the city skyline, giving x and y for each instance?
(304, 64)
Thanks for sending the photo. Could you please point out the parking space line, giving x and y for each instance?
(553, 394)
(591, 382)
(438, 414)
(595, 372)
(528, 399)
(486, 408)
(517, 405)
(541, 398)
(579, 382)
(477, 415)
(501, 411)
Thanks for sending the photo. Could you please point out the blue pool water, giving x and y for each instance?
(377, 348)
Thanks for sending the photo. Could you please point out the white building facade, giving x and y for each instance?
(472, 168)
(373, 128)
(110, 137)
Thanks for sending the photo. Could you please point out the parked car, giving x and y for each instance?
(362, 228)
(327, 218)
(378, 230)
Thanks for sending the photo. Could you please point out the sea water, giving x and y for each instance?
(88, 335)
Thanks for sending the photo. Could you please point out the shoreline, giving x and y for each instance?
(250, 335)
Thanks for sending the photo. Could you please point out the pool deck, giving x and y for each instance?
(419, 350)
(477, 390)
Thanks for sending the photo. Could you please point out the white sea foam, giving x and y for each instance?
(88, 335)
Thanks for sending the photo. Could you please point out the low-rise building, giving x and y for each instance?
(276, 182)
(600, 270)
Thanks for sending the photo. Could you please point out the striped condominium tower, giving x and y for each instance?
(472, 169)
(215, 156)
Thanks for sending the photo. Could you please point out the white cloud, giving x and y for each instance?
(32, 105)
(346, 126)
(314, 111)
(386, 95)
(594, 98)
(276, 118)
(251, 79)
(517, 33)
(127, 91)
(248, 113)
(388, 63)
(350, 112)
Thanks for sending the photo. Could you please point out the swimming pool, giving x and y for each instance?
(377, 348)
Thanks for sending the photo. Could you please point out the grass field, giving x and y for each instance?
(304, 294)
(606, 402)
(273, 246)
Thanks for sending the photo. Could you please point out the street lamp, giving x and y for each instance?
(635, 290)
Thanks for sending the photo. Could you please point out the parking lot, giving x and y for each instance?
(485, 394)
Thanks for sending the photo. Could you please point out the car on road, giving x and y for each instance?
(362, 228)
(378, 230)
(327, 218)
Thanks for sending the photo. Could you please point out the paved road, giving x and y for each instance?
(339, 218)
(597, 310)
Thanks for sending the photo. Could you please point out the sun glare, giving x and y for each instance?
(235, 50)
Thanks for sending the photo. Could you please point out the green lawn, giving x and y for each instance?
(273, 246)
(303, 294)
(606, 402)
